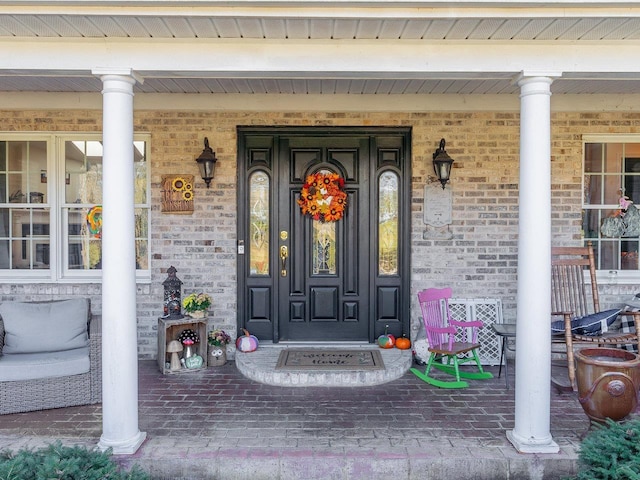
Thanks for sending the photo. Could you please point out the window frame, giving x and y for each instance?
(608, 276)
(58, 271)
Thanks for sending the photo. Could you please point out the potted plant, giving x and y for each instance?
(218, 340)
(196, 304)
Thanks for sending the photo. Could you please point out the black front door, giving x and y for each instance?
(324, 286)
(303, 279)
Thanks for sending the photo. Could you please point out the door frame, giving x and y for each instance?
(267, 326)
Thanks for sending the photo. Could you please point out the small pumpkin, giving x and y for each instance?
(247, 342)
(386, 340)
(403, 343)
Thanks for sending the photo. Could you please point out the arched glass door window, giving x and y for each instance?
(388, 214)
(259, 190)
(324, 259)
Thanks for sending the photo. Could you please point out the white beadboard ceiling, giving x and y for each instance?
(518, 28)
(20, 83)
(125, 26)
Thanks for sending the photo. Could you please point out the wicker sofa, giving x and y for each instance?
(50, 355)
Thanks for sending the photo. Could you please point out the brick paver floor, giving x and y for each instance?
(218, 407)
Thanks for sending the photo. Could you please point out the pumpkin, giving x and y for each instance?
(403, 343)
(247, 343)
(386, 340)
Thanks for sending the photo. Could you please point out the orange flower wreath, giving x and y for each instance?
(323, 197)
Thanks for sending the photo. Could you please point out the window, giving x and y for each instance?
(388, 213)
(51, 204)
(611, 169)
(259, 223)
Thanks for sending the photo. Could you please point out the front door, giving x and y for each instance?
(339, 278)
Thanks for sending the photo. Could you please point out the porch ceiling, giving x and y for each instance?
(524, 28)
(280, 29)
(47, 83)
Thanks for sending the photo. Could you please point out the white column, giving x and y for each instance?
(119, 327)
(531, 433)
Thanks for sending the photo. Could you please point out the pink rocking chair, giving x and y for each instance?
(441, 332)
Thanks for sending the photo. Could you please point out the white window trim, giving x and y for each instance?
(613, 277)
(57, 273)
(608, 277)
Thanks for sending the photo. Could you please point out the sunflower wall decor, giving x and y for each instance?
(323, 197)
(177, 194)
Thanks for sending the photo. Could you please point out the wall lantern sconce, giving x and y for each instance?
(207, 162)
(442, 164)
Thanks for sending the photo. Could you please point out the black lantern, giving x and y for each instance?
(442, 164)
(207, 162)
(172, 295)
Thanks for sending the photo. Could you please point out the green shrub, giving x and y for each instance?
(611, 452)
(57, 462)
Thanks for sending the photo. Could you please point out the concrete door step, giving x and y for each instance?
(260, 366)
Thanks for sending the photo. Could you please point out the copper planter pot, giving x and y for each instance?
(608, 382)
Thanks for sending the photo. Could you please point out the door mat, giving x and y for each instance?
(328, 360)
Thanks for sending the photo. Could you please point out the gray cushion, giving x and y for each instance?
(30, 366)
(45, 327)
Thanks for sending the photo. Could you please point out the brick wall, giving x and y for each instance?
(478, 261)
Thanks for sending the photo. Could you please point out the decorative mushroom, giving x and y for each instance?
(174, 347)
